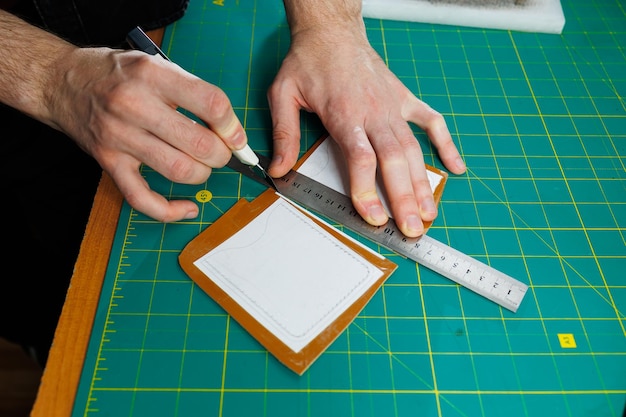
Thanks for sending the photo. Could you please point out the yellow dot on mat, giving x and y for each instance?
(567, 340)
(203, 196)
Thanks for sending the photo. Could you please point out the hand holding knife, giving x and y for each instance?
(138, 40)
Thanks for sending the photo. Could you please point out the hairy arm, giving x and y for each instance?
(28, 57)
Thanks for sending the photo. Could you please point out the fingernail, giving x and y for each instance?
(377, 213)
(191, 214)
(414, 225)
(459, 163)
(277, 160)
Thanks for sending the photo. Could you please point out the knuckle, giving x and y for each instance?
(200, 145)
(360, 153)
(181, 170)
(273, 92)
(406, 200)
(140, 63)
(216, 102)
(281, 133)
(391, 151)
(118, 98)
(135, 200)
(434, 121)
(364, 198)
(141, 66)
(339, 110)
(422, 189)
(279, 89)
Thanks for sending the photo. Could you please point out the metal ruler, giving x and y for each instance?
(457, 266)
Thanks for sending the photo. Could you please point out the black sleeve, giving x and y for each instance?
(98, 22)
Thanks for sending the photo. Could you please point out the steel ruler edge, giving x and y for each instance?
(463, 269)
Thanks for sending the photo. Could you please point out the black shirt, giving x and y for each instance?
(98, 23)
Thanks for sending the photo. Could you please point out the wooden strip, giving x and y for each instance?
(59, 383)
(156, 35)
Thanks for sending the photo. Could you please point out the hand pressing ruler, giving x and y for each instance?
(428, 252)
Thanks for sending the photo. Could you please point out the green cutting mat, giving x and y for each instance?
(541, 122)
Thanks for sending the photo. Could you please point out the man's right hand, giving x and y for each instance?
(121, 107)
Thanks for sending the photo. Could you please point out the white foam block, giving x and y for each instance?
(543, 16)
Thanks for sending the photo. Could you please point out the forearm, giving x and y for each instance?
(303, 15)
(29, 58)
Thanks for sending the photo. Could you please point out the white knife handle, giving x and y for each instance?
(247, 156)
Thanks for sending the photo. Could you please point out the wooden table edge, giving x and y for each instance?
(61, 376)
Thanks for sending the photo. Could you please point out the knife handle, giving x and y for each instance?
(247, 156)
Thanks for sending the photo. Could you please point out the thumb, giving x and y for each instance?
(285, 132)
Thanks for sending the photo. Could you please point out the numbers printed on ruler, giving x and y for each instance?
(471, 273)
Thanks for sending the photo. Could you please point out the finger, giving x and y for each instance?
(361, 161)
(190, 137)
(417, 170)
(138, 194)
(206, 101)
(285, 112)
(167, 160)
(398, 177)
(434, 124)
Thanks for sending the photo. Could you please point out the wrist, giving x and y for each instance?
(29, 58)
(53, 81)
(320, 16)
